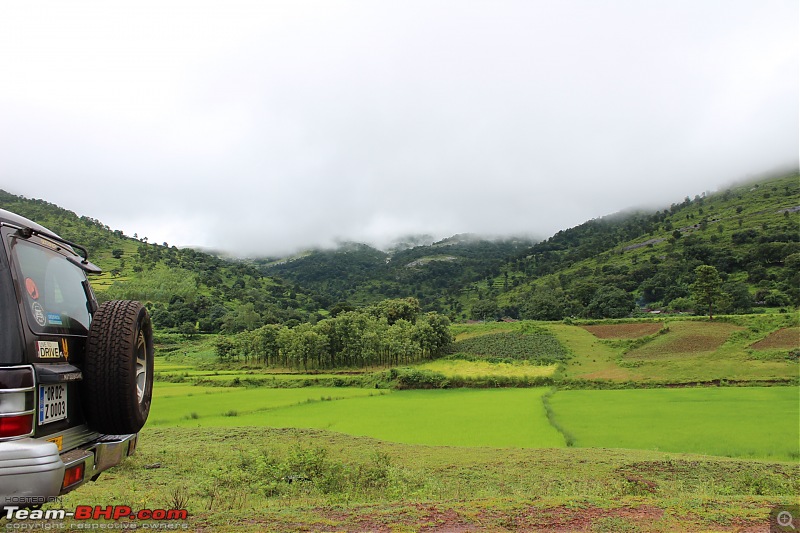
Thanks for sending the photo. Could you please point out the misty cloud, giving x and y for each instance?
(264, 127)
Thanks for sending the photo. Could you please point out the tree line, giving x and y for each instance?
(390, 333)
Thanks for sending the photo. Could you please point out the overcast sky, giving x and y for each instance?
(266, 126)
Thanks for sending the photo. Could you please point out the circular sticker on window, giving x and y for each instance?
(38, 314)
(33, 290)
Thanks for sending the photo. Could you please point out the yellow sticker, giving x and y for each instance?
(58, 440)
(49, 244)
(65, 348)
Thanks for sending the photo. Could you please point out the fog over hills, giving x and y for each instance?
(264, 128)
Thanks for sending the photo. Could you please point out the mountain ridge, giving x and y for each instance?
(633, 259)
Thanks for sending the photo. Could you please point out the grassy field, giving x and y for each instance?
(591, 358)
(263, 458)
(167, 372)
(461, 417)
(262, 479)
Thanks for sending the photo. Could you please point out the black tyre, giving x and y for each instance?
(118, 371)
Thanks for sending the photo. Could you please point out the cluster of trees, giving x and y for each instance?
(549, 301)
(392, 332)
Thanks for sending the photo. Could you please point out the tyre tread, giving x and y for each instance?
(111, 406)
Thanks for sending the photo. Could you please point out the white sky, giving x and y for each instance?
(264, 126)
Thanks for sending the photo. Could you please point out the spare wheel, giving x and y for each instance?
(118, 371)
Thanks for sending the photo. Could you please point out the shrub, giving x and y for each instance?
(411, 378)
(310, 470)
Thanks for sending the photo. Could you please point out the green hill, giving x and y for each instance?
(604, 268)
(435, 274)
(614, 265)
(184, 289)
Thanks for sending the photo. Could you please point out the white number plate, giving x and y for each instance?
(52, 403)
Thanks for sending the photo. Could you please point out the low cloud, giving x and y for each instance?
(262, 128)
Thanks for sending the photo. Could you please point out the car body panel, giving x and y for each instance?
(32, 466)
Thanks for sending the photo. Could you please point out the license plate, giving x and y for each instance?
(52, 403)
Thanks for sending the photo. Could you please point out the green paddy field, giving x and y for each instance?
(745, 422)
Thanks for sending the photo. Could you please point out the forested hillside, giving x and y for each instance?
(185, 289)
(609, 267)
(436, 274)
(603, 268)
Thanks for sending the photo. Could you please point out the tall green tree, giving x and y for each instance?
(398, 309)
(707, 288)
(610, 302)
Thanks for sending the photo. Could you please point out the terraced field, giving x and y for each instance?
(783, 339)
(623, 331)
(755, 349)
(686, 339)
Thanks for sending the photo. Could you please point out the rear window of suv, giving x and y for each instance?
(52, 289)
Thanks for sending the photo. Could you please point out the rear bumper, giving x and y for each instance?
(32, 470)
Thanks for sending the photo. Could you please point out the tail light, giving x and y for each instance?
(16, 402)
(73, 475)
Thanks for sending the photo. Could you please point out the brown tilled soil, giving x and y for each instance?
(687, 344)
(623, 331)
(786, 339)
(687, 340)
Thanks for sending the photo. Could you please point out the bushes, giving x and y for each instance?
(411, 378)
(310, 470)
(490, 382)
